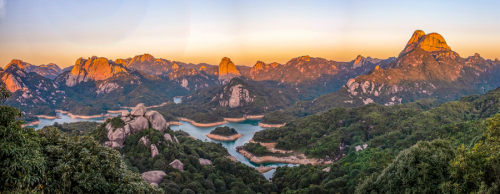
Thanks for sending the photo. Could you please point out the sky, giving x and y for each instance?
(61, 31)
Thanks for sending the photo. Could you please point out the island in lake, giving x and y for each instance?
(224, 134)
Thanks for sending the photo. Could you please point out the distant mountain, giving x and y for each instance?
(425, 68)
(94, 68)
(31, 92)
(238, 97)
(50, 70)
(227, 70)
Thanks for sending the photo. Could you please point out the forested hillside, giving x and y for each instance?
(367, 139)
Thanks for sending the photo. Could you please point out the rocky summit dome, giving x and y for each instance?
(427, 42)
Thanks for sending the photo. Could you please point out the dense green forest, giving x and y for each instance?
(419, 147)
(53, 162)
(389, 133)
(223, 176)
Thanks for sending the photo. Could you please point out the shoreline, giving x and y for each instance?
(115, 111)
(202, 124)
(264, 169)
(294, 159)
(73, 116)
(147, 107)
(264, 125)
(243, 118)
(170, 123)
(32, 123)
(224, 138)
(48, 117)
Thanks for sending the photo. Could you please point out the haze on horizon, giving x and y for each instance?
(60, 31)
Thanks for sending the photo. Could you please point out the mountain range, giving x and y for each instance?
(427, 67)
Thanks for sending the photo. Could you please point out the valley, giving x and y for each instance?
(310, 125)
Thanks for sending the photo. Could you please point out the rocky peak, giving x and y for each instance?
(16, 63)
(358, 62)
(427, 42)
(305, 58)
(143, 58)
(227, 69)
(258, 66)
(52, 66)
(416, 36)
(94, 68)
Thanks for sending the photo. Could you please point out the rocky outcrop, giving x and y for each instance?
(138, 124)
(116, 136)
(205, 162)
(145, 141)
(138, 110)
(135, 122)
(94, 68)
(156, 119)
(430, 42)
(177, 164)
(237, 97)
(235, 94)
(227, 70)
(153, 177)
(154, 150)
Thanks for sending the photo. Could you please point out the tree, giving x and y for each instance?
(23, 166)
(421, 168)
(478, 169)
(4, 94)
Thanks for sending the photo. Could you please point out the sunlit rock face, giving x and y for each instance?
(262, 71)
(148, 64)
(11, 83)
(30, 91)
(358, 62)
(426, 67)
(235, 96)
(430, 42)
(227, 70)
(94, 68)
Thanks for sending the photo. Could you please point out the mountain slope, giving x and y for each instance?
(425, 68)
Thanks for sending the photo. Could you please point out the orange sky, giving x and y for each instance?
(200, 31)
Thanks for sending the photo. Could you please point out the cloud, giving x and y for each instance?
(3, 9)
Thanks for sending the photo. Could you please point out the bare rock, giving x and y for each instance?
(116, 136)
(138, 124)
(153, 177)
(154, 150)
(227, 69)
(168, 137)
(144, 140)
(156, 119)
(177, 164)
(327, 169)
(205, 162)
(125, 113)
(138, 110)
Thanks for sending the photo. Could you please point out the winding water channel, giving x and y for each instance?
(246, 128)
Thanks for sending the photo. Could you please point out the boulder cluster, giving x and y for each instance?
(136, 120)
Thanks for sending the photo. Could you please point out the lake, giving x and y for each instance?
(246, 128)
